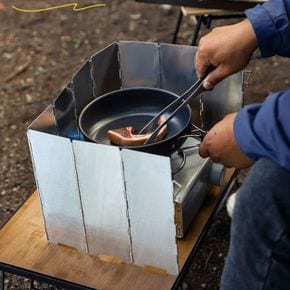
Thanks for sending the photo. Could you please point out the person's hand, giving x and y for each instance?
(220, 145)
(229, 48)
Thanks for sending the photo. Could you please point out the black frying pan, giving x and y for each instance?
(134, 107)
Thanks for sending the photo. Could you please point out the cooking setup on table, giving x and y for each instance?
(129, 202)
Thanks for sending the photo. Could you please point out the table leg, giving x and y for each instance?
(197, 29)
(31, 287)
(175, 35)
(2, 281)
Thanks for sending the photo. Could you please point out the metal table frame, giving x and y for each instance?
(204, 19)
(33, 276)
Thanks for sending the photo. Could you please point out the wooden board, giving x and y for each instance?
(23, 244)
(240, 5)
(192, 11)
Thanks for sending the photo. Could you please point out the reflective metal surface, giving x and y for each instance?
(139, 64)
(149, 192)
(178, 72)
(177, 67)
(132, 64)
(191, 184)
(55, 174)
(101, 183)
(225, 98)
(65, 114)
(82, 87)
(105, 70)
(45, 122)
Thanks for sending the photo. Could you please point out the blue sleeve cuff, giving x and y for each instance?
(244, 132)
(262, 130)
(271, 24)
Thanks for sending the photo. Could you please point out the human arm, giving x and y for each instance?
(220, 145)
(259, 130)
(230, 47)
(263, 130)
(272, 27)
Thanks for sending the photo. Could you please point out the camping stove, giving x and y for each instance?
(191, 183)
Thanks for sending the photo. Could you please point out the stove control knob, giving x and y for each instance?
(217, 174)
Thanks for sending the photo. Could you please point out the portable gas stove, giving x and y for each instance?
(191, 183)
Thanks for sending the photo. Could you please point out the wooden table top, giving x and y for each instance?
(237, 5)
(23, 244)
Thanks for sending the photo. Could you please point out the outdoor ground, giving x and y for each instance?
(40, 52)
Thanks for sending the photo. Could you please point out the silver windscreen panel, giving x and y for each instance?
(65, 114)
(151, 209)
(144, 181)
(83, 87)
(45, 122)
(105, 70)
(225, 98)
(177, 67)
(178, 72)
(56, 179)
(139, 64)
(101, 182)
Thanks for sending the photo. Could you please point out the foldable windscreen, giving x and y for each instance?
(103, 200)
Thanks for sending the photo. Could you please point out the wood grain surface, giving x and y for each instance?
(23, 244)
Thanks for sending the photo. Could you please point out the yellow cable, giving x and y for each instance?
(73, 5)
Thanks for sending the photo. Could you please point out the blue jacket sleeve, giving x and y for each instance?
(271, 24)
(263, 130)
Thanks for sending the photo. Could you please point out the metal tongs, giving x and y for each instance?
(196, 89)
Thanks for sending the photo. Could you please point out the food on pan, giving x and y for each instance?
(126, 137)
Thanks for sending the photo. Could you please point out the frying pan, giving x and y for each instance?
(134, 107)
